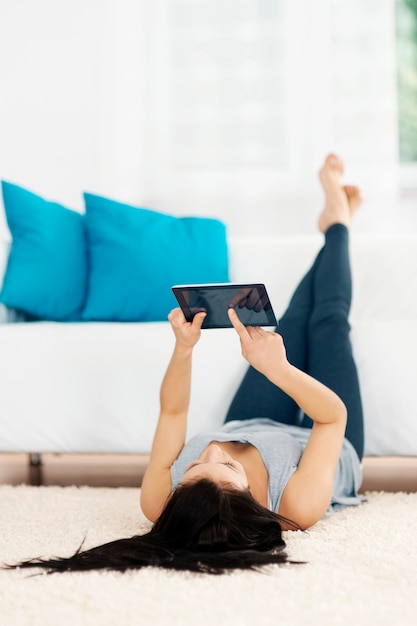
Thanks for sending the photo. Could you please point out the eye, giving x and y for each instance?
(229, 463)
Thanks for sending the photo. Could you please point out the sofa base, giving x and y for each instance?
(389, 474)
(126, 470)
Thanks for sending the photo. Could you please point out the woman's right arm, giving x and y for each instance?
(170, 433)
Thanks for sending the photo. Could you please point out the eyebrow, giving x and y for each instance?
(205, 462)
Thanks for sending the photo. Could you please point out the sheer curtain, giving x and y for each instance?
(241, 99)
(217, 107)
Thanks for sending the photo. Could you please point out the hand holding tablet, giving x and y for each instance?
(251, 301)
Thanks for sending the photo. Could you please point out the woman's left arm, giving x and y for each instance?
(308, 493)
(171, 429)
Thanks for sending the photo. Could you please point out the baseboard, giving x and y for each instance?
(386, 473)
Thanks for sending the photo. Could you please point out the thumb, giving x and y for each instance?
(198, 319)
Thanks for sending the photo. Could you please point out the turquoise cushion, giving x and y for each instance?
(46, 273)
(136, 255)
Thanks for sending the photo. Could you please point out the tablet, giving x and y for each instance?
(250, 301)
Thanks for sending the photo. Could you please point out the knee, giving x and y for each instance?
(330, 316)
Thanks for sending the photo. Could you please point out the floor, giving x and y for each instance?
(380, 474)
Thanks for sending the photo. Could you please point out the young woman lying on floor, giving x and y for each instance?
(290, 448)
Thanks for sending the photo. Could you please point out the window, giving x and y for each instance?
(244, 97)
(227, 83)
(406, 29)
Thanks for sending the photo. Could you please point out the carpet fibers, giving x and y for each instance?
(361, 568)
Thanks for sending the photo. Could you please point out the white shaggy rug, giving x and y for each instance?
(361, 570)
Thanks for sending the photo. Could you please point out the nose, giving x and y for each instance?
(213, 453)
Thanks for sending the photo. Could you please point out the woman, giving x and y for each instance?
(290, 448)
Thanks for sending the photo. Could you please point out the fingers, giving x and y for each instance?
(243, 331)
(239, 298)
(254, 302)
(176, 316)
(246, 297)
(236, 323)
(251, 299)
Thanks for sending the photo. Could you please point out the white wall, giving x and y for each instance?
(89, 88)
(48, 124)
(69, 90)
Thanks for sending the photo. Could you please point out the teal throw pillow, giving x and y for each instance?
(46, 272)
(136, 255)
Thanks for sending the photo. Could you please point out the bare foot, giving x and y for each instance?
(337, 207)
(354, 198)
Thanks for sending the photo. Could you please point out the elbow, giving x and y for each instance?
(342, 413)
(336, 413)
(148, 509)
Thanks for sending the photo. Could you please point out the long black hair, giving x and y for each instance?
(204, 527)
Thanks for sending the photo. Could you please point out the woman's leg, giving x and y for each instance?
(256, 395)
(330, 357)
(316, 341)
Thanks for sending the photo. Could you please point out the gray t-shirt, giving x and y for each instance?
(280, 447)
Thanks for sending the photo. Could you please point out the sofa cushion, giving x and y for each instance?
(137, 254)
(4, 255)
(46, 269)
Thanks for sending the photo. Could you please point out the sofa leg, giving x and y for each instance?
(35, 469)
(35, 459)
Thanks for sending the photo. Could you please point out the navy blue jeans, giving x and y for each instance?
(315, 330)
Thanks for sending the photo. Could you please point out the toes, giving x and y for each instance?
(332, 158)
(333, 161)
(353, 195)
(332, 167)
(352, 192)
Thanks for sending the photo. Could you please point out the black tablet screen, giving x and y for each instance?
(250, 301)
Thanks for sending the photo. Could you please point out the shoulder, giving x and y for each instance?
(308, 492)
(306, 503)
(162, 477)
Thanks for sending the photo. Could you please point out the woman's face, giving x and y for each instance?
(215, 464)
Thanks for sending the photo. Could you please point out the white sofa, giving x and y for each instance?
(93, 387)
